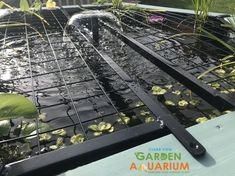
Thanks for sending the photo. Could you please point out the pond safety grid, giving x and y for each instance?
(61, 75)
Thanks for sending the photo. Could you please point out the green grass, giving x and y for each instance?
(219, 6)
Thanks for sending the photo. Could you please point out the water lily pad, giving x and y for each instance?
(182, 103)
(169, 103)
(201, 119)
(13, 106)
(60, 132)
(5, 127)
(156, 90)
(176, 92)
(144, 113)
(44, 137)
(149, 119)
(194, 102)
(79, 138)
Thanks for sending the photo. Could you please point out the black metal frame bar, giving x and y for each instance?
(78, 155)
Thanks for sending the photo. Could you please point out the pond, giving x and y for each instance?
(81, 97)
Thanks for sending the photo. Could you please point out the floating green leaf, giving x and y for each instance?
(176, 92)
(79, 138)
(224, 92)
(98, 133)
(60, 132)
(42, 116)
(194, 102)
(24, 5)
(139, 103)
(201, 119)
(169, 103)
(144, 113)
(182, 103)
(14, 106)
(29, 128)
(156, 90)
(53, 147)
(168, 86)
(5, 127)
(124, 119)
(101, 128)
(149, 119)
(44, 137)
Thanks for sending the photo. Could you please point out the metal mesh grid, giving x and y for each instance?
(190, 53)
(60, 80)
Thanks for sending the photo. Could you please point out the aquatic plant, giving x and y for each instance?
(13, 106)
(76, 139)
(117, 4)
(201, 8)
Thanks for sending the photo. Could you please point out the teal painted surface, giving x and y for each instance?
(217, 135)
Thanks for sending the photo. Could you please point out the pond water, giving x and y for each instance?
(74, 88)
